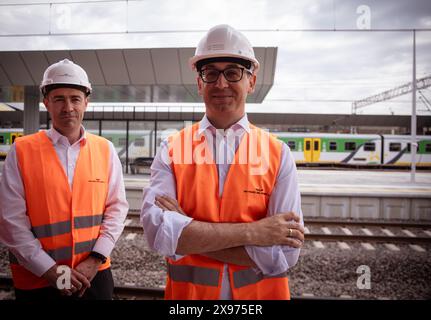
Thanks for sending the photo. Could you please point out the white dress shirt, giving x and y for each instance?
(15, 227)
(163, 229)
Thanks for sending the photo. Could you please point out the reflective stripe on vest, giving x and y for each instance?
(63, 253)
(246, 277)
(50, 230)
(210, 277)
(60, 253)
(88, 221)
(85, 246)
(193, 274)
(54, 229)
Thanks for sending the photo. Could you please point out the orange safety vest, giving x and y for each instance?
(67, 223)
(245, 199)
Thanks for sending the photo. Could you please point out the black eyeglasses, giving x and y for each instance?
(232, 74)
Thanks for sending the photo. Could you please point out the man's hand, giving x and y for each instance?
(279, 229)
(168, 204)
(89, 268)
(77, 280)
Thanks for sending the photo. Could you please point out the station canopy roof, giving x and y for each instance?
(129, 75)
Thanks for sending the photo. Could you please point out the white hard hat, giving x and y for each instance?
(65, 72)
(224, 41)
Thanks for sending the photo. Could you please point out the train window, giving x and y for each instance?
(122, 141)
(307, 145)
(292, 145)
(316, 145)
(428, 147)
(140, 142)
(350, 146)
(369, 146)
(395, 146)
(332, 145)
(1, 139)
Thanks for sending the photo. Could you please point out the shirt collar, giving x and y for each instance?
(55, 136)
(243, 123)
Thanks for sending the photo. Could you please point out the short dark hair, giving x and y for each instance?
(47, 89)
(201, 63)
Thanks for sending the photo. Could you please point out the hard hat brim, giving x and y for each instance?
(47, 88)
(193, 60)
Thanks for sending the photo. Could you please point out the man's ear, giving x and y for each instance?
(200, 85)
(87, 99)
(252, 83)
(45, 102)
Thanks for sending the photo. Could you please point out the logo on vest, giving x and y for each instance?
(97, 180)
(257, 191)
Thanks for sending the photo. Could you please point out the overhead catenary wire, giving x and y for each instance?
(126, 30)
(98, 33)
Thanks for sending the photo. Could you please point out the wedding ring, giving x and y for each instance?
(290, 232)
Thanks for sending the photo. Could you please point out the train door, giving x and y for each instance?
(312, 149)
(14, 135)
(316, 150)
(307, 149)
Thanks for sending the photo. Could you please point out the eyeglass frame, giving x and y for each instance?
(224, 75)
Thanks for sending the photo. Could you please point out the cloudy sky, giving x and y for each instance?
(317, 71)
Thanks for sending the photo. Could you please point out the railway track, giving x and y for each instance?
(138, 293)
(120, 292)
(338, 222)
(123, 292)
(361, 235)
(367, 223)
(343, 237)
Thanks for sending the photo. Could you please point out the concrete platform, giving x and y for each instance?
(364, 183)
(346, 194)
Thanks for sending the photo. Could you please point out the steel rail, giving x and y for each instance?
(123, 292)
(338, 222)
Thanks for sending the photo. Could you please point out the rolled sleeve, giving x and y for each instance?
(116, 208)
(162, 228)
(104, 245)
(284, 198)
(269, 260)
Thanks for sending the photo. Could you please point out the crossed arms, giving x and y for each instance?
(262, 243)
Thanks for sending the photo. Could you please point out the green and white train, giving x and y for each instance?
(7, 137)
(316, 148)
(356, 149)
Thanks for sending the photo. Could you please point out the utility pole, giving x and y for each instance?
(413, 143)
